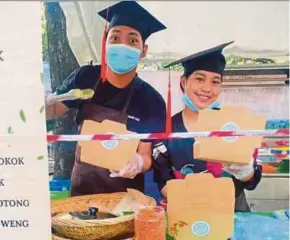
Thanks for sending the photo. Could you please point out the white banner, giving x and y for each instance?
(271, 101)
(24, 192)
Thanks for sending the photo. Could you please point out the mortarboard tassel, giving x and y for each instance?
(103, 53)
(255, 155)
(168, 111)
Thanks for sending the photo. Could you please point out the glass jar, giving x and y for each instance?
(150, 224)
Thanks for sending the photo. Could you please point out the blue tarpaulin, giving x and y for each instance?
(249, 226)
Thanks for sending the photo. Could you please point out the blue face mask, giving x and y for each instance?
(122, 58)
(187, 102)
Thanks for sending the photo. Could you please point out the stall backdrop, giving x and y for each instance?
(256, 27)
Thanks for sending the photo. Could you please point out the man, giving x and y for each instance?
(123, 98)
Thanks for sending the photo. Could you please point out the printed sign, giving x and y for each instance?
(271, 101)
(24, 193)
(254, 77)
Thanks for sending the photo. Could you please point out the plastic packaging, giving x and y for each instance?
(255, 227)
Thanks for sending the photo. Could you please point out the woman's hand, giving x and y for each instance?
(132, 168)
(241, 172)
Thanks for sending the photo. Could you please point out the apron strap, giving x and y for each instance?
(95, 87)
(131, 91)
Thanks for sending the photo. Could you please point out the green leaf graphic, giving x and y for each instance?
(40, 157)
(41, 78)
(22, 115)
(41, 109)
(9, 130)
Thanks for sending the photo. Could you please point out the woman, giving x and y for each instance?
(201, 87)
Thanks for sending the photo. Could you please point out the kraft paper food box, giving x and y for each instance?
(201, 207)
(109, 154)
(237, 150)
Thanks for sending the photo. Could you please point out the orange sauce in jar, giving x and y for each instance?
(150, 224)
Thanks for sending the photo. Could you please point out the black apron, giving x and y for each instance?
(241, 204)
(88, 179)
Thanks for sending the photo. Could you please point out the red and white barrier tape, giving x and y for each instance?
(151, 136)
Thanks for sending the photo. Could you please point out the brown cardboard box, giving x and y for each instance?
(238, 150)
(203, 208)
(109, 154)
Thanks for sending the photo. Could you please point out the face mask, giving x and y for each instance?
(187, 102)
(122, 58)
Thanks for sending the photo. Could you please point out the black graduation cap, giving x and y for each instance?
(211, 60)
(131, 14)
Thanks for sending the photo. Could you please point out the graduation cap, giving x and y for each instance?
(211, 60)
(131, 14)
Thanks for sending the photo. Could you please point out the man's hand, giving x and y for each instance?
(132, 168)
(55, 110)
(243, 173)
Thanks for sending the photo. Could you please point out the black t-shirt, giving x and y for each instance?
(146, 111)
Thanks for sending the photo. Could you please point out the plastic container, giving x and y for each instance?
(59, 195)
(284, 166)
(60, 185)
(59, 189)
(150, 223)
(277, 124)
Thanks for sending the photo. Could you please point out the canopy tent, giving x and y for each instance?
(260, 29)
